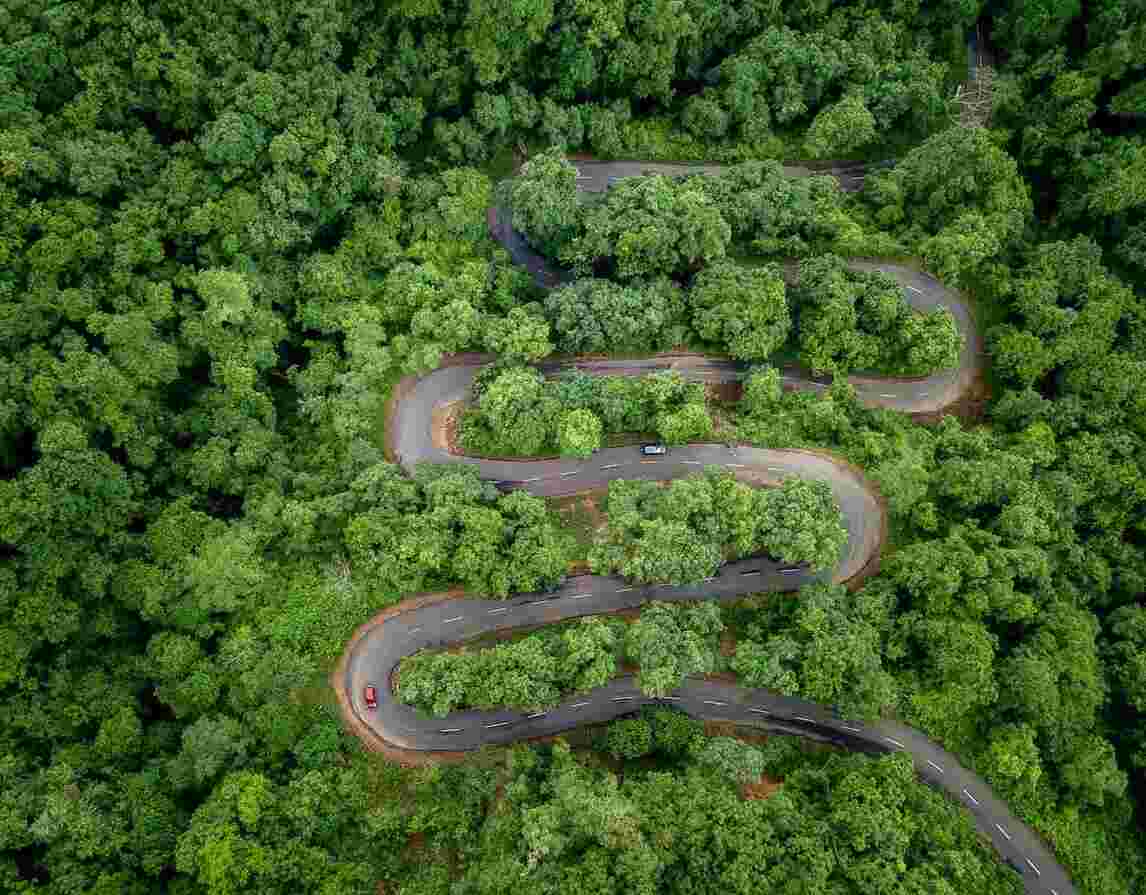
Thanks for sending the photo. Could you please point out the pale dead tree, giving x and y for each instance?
(974, 98)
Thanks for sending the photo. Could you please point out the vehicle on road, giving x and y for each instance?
(648, 449)
(371, 696)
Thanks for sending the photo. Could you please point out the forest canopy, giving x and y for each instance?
(229, 228)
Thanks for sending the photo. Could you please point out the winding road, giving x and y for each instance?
(921, 290)
(378, 648)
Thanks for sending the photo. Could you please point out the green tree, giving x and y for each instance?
(544, 201)
(578, 433)
(519, 336)
(826, 646)
(629, 738)
(596, 315)
(669, 642)
(958, 195)
(517, 411)
(860, 320)
(691, 422)
(840, 128)
(800, 522)
(741, 308)
(733, 759)
(651, 226)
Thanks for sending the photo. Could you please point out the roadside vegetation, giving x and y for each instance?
(682, 532)
(536, 671)
(666, 244)
(227, 229)
(518, 411)
(663, 824)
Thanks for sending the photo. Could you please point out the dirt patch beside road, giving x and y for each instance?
(446, 419)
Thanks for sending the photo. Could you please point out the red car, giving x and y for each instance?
(371, 695)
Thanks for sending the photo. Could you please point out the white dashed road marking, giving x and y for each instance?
(580, 596)
(883, 395)
(756, 572)
(1034, 867)
(760, 711)
(536, 478)
(496, 611)
(622, 698)
(497, 724)
(611, 466)
(564, 474)
(895, 742)
(1000, 828)
(849, 727)
(934, 765)
(913, 289)
(691, 462)
(805, 719)
(416, 630)
(451, 730)
(621, 590)
(971, 798)
(537, 715)
(714, 702)
(578, 705)
(456, 618)
(674, 698)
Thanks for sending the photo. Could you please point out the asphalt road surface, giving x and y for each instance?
(373, 656)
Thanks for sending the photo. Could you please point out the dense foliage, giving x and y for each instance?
(823, 644)
(856, 320)
(681, 532)
(839, 823)
(535, 671)
(519, 411)
(446, 525)
(648, 230)
(532, 672)
(595, 315)
(226, 229)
